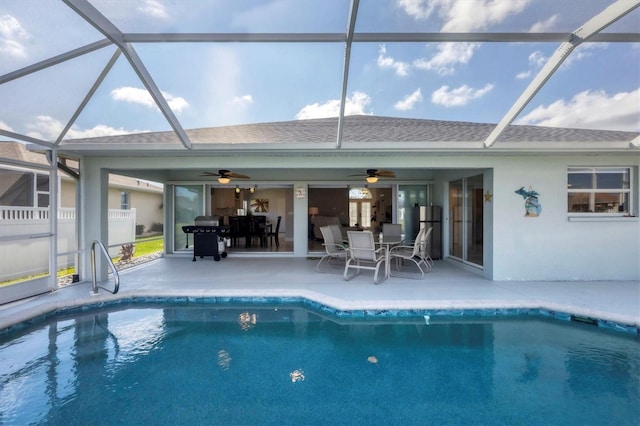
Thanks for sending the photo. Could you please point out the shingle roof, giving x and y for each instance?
(366, 128)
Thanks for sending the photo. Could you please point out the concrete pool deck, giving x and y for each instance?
(446, 287)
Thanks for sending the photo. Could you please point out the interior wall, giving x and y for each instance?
(331, 202)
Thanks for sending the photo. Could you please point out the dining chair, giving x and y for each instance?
(362, 254)
(273, 234)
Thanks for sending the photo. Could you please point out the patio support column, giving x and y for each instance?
(300, 219)
(94, 205)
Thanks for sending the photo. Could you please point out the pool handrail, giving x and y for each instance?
(116, 276)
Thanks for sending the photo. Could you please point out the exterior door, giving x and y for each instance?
(466, 219)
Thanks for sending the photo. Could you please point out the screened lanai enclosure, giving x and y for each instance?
(320, 111)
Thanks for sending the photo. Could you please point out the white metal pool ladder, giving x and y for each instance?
(116, 276)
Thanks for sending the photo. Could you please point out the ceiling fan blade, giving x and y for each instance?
(237, 176)
(385, 173)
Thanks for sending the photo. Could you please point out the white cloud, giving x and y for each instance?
(154, 8)
(401, 68)
(243, 100)
(449, 55)
(581, 52)
(546, 25)
(48, 128)
(419, 9)
(355, 105)
(409, 101)
(5, 126)
(464, 15)
(12, 37)
(590, 110)
(459, 96)
(142, 97)
(536, 61)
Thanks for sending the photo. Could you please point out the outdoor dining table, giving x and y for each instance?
(387, 244)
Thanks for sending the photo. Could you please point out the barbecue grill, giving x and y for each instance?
(208, 237)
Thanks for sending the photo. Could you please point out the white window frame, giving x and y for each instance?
(595, 170)
(125, 200)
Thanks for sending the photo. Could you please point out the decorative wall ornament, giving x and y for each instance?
(488, 196)
(301, 192)
(532, 206)
(260, 205)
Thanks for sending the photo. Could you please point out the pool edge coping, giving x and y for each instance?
(29, 316)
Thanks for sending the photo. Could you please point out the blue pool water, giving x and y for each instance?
(289, 365)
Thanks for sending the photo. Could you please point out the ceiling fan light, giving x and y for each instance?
(224, 180)
(372, 179)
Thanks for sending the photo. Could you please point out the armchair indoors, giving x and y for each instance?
(334, 250)
(362, 254)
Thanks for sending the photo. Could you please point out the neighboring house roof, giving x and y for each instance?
(18, 152)
(363, 128)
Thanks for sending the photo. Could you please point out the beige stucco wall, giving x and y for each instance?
(148, 205)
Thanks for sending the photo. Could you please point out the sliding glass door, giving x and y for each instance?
(466, 219)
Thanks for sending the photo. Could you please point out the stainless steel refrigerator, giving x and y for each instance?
(430, 216)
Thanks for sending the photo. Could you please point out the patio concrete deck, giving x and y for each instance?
(446, 287)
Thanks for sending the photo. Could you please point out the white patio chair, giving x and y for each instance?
(392, 232)
(362, 254)
(338, 238)
(424, 248)
(414, 253)
(333, 249)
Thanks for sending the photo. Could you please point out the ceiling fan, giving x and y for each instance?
(372, 175)
(225, 176)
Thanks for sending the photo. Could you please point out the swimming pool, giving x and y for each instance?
(286, 364)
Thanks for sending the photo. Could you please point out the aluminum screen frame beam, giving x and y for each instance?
(90, 14)
(353, 13)
(593, 26)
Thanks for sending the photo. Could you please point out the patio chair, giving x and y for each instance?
(338, 238)
(362, 254)
(392, 231)
(413, 253)
(424, 248)
(333, 249)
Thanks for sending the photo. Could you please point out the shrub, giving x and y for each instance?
(156, 227)
(126, 251)
(139, 229)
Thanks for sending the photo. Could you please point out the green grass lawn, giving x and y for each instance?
(143, 247)
(149, 245)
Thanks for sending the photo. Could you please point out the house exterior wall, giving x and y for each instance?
(551, 246)
(545, 248)
(148, 205)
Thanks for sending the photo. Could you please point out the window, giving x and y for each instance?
(42, 190)
(593, 190)
(124, 200)
(360, 207)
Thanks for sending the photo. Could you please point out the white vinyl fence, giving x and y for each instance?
(25, 257)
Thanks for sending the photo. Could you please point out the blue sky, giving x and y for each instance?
(209, 84)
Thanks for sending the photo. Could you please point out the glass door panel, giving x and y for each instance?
(466, 219)
(189, 204)
(473, 219)
(456, 214)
